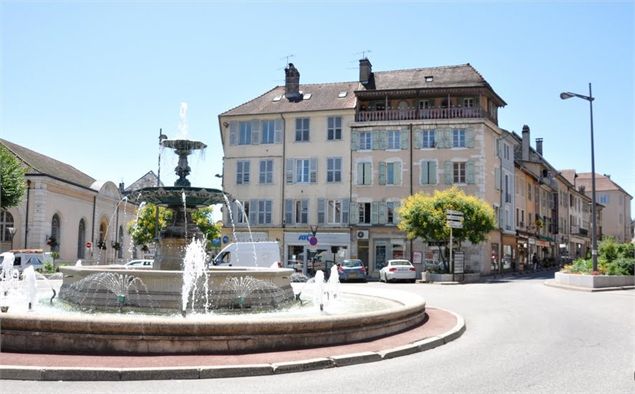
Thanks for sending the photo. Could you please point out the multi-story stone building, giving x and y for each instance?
(341, 157)
(615, 217)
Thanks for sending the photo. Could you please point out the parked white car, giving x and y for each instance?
(398, 270)
(140, 264)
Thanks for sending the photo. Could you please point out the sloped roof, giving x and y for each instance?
(39, 164)
(324, 96)
(602, 183)
(148, 180)
(458, 76)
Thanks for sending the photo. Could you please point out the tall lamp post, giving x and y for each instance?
(594, 241)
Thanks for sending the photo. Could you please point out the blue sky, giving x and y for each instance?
(90, 83)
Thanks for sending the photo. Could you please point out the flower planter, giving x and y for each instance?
(463, 278)
(594, 281)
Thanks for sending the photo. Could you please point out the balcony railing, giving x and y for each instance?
(415, 114)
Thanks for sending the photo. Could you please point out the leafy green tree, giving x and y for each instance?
(424, 216)
(204, 220)
(143, 229)
(12, 182)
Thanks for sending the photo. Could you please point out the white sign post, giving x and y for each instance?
(454, 219)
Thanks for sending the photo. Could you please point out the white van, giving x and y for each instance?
(249, 254)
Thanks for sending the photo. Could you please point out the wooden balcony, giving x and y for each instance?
(422, 114)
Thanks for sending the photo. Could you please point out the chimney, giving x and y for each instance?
(525, 143)
(292, 83)
(539, 146)
(365, 71)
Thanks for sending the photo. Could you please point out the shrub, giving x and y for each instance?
(621, 266)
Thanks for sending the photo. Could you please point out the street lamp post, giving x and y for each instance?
(594, 246)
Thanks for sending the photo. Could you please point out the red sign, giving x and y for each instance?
(89, 244)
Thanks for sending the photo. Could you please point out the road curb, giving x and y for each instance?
(229, 371)
(553, 283)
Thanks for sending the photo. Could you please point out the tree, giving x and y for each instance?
(12, 183)
(143, 229)
(204, 220)
(424, 216)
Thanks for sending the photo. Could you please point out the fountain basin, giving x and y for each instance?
(162, 289)
(210, 333)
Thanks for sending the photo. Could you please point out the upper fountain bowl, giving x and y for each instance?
(183, 145)
(173, 196)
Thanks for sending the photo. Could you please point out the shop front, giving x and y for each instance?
(307, 252)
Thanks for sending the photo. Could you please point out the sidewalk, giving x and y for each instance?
(440, 327)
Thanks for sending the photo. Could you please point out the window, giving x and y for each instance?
(244, 137)
(364, 173)
(458, 171)
(529, 191)
(334, 130)
(302, 171)
(427, 139)
(242, 172)
(334, 169)
(6, 222)
(391, 212)
(506, 151)
(428, 172)
(264, 211)
(365, 140)
(364, 212)
(296, 211)
(458, 138)
(508, 196)
(604, 199)
(302, 129)
(393, 173)
(55, 233)
(266, 171)
(334, 212)
(425, 104)
(268, 131)
(468, 102)
(81, 239)
(394, 139)
(241, 212)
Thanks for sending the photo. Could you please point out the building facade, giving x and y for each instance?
(66, 211)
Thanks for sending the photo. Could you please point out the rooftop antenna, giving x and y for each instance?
(363, 53)
(287, 58)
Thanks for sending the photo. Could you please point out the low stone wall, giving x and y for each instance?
(463, 278)
(594, 281)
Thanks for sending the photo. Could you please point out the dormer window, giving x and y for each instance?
(429, 78)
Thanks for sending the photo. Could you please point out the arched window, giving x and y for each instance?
(120, 242)
(55, 238)
(81, 239)
(103, 227)
(6, 223)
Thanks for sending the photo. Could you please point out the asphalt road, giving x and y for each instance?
(522, 336)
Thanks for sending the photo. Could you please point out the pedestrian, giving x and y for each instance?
(534, 261)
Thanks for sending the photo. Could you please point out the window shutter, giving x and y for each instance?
(253, 211)
(446, 141)
(354, 141)
(396, 212)
(345, 210)
(382, 207)
(425, 168)
(382, 172)
(278, 131)
(397, 168)
(368, 174)
(305, 211)
(233, 132)
(354, 209)
(469, 138)
(379, 140)
(320, 212)
(360, 173)
(497, 181)
(448, 172)
(288, 211)
(470, 176)
(404, 139)
(374, 212)
(255, 132)
(313, 170)
(290, 170)
(418, 136)
(432, 172)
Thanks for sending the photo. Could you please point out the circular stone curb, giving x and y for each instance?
(230, 371)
